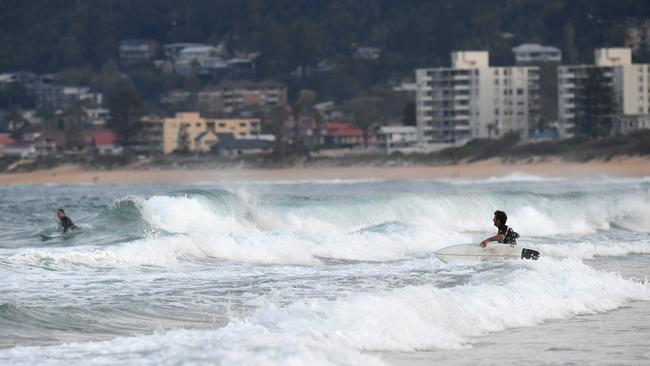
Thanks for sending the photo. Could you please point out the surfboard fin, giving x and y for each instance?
(529, 254)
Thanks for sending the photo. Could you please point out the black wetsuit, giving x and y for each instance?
(510, 235)
(66, 224)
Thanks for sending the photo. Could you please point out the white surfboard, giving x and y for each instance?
(493, 252)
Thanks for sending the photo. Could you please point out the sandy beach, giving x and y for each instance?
(71, 174)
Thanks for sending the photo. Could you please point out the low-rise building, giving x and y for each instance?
(173, 50)
(192, 132)
(624, 124)
(137, 49)
(97, 116)
(333, 135)
(529, 53)
(63, 96)
(103, 141)
(227, 144)
(231, 97)
(149, 139)
(368, 53)
(22, 149)
(397, 136)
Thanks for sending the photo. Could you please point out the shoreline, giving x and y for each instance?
(550, 168)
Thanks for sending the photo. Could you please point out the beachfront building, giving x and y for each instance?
(333, 135)
(389, 137)
(192, 132)
(631, 123)
(472, 100)
(630, 85)
(547, 59)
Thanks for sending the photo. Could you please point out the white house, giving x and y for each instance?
(534, 53)
(397, 136)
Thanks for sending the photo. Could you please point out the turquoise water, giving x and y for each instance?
(334, 273)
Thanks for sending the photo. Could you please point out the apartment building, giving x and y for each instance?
(231, 97)
(472, 100)
(200, 133)
(630, 84)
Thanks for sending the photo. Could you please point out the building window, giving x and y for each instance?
(222, 124)
(198, 124)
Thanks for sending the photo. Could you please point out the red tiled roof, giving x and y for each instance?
(102, 137)
(55, 136)
(5, 139)
(345, 132)
(340, 129)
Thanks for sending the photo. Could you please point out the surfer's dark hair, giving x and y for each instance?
(61, 210)
(501, 216)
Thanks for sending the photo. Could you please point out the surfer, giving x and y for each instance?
(505, 234)
(65, 223)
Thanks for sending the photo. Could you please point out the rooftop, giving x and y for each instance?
(533, 47)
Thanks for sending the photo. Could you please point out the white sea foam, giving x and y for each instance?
(588, 250)
(336, 332)
(375, 230)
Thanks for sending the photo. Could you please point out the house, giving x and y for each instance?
(22, 149)
(227, 144)
(240, 67)
(173, 50)
(397, 136)
(97, 116)
(6, 139)
(131, 50)
(368, 53)
(64, 96)
(334, 135)
(533, 53)
(103, 141)
(24, 78)
(50, 142)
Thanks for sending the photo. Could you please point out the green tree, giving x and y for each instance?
(409, 114)
(302, 109)
(595, 105)
(183, 139)
(278, 118)
(125, 107)
(13, 120)
(365, 114)
(73, 131)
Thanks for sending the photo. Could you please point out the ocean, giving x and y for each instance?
(325, 273)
